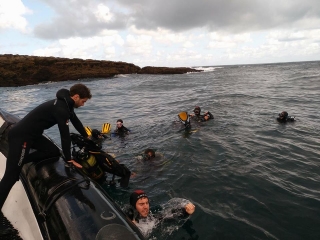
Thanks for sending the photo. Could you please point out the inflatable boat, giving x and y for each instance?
(59, 201)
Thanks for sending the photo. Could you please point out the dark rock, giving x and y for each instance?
(20, 70)
(167, 70)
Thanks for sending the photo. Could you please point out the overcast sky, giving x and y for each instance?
(163, 33)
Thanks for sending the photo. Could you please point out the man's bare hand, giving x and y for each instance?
(75, 163)
(190, 208)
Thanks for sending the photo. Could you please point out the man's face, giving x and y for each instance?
(142, 207)
(79, 102)
(150, 155)
(281, 115)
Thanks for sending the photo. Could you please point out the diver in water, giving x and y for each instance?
(121, 129)
(96, 163)
(140, 214)
(200, 118)
(97, 137)
(283, 117)
(149, 154)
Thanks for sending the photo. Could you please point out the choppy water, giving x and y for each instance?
(249, 176)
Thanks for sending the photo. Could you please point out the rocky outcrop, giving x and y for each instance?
(166, 70)
(20, 70)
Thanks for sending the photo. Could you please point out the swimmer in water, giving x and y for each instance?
(140, 214)
(283, 117)
(121, 129)
(149, 154)
(200, 118)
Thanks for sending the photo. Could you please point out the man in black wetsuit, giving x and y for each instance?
(284, 117)
(200, 118)
(146, 220)
(121, 129)
(27, 134)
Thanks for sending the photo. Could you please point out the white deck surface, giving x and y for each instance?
(18, 210)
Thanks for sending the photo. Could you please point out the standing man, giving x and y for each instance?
(27, 134)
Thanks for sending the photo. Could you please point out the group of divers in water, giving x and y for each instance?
(87, 154)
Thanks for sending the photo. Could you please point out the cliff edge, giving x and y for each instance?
(21, 70)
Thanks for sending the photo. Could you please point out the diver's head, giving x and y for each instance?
(283, 115)
(149, 154)
(119, 123)
(140, 201)
(96, 134)
(197, 110)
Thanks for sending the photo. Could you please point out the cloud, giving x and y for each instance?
(298, 45)
(11, 15)
(228, 41)
(97, 47)
(220, 15)
(78, 18)
(175, 33)
(103, 14)
(84, 18)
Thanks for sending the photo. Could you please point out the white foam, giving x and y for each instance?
(146, 225)
(207, 69)
(122, 75)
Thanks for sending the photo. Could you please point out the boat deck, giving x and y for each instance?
(17, 211)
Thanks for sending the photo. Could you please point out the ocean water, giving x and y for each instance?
(249, 176)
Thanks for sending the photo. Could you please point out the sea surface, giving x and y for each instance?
(249, 176)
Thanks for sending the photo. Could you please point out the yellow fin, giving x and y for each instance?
(183, 116)
(88, 130)
(106, 128)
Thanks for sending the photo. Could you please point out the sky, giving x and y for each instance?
(175, 33)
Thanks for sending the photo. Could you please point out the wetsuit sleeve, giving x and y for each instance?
(62, 118)
(128, 211)
(201, 118)
(210, 114)
(78, 125)
(180, 213)
(171, 215)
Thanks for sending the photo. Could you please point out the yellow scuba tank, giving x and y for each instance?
(92, 168)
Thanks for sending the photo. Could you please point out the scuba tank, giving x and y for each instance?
(97, 162)
(89, 164)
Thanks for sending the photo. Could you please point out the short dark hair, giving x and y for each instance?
(82, 90)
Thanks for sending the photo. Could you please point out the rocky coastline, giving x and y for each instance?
(21, 70)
